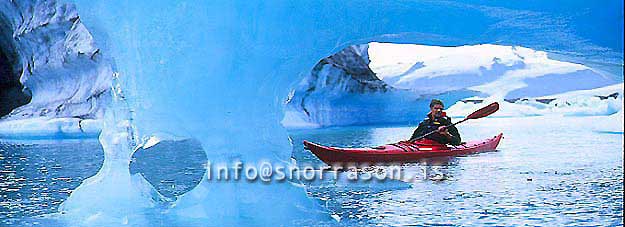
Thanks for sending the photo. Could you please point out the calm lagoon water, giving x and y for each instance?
(548, 172)
(38, 175)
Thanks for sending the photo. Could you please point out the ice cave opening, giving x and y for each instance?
(12, 92)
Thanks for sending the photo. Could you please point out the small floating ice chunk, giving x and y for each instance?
(153, 140)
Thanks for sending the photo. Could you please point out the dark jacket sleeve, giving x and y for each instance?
(455, 135)
(419, 131)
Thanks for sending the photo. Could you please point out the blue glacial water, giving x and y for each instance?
(546, 172)
(38, 175)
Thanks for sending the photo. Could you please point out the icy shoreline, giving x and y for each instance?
(48, 128)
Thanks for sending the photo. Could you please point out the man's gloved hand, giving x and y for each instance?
(443, 131)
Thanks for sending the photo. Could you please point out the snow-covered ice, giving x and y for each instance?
(602, 101)
(495, 70)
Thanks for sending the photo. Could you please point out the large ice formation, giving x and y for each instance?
(392, 83)
(54, 79)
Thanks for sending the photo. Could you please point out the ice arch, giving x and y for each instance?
(218, 71)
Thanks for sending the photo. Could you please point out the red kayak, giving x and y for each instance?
(402, 151)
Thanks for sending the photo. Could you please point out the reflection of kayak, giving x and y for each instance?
(402, 151)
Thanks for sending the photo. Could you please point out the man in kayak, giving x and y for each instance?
(436, 120)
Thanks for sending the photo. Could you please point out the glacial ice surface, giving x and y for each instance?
(55, 59)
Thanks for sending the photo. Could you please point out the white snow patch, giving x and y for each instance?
(494, 70)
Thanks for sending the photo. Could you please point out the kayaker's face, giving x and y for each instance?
(437, 110)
